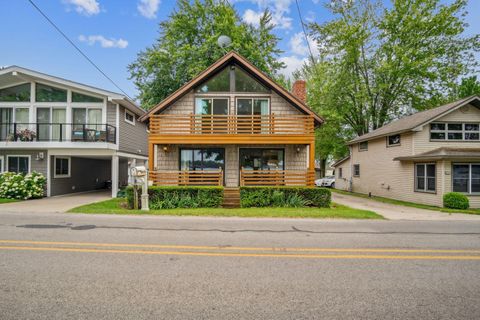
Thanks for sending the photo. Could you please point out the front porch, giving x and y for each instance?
(232, 165)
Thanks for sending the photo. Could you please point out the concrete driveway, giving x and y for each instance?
(55, 204)
(398, 212)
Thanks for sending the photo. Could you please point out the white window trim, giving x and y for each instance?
(69, 174)
(253, 98)
(24, 156)
(425, 177)
(211, 98)
(125, 117)
(2, 164)
(463, 131)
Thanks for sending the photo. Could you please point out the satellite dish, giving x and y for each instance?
(224, 41)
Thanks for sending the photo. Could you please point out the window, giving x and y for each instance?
(18, 164)
(51, 124)
(363, 146)
(129, 117)
(80, 97)
(466, 178)
(356, 170)
(425, 177)
(20, 93)
(44, 93)
(202, 159)
(211, 106)
(232, 79)
(340, 172)
(62, 167)
(91, 117)
(393, 140)
(262, 159)
(253, 106)
(455, 131)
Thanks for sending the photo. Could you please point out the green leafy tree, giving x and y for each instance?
(187, 44)
(379, 62)
(468, 87)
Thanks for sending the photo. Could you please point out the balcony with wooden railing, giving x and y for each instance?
(276, 177)
(186, 178)
(184, 128)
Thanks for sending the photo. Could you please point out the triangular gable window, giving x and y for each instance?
(45, 93)
(80, 97)
(18, 93)
(232, 79)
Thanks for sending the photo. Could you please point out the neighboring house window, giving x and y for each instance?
(363, 146)
(62, 167)
(129, 117)
(455, 131)
(425, 177)
(18, 164)
(340, 172)
(356, 170)
(466, 177)
(393, 140)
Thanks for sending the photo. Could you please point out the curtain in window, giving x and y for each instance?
(59, 116)
(6, 120)
(43, 124)
(21, 118)
(94, 119)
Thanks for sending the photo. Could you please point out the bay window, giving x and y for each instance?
(425, 177)
(466, 177)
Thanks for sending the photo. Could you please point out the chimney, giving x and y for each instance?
(299, 90)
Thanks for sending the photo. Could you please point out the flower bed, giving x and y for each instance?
(22, 186)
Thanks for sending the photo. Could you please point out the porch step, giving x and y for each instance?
(231, 198)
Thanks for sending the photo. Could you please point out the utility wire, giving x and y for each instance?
(78, 49)
(304, 32)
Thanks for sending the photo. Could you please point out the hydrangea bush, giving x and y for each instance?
(21, 186)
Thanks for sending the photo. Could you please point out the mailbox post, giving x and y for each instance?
(140, 175)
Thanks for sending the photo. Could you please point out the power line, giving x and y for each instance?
(78, 49)
(304, 32)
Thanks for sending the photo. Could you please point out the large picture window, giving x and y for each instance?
(18, 164)
(466, 177)
(425, 177)
(20, 93)
(45, 93)
(262, 159)
(202, 159)
(455, 131)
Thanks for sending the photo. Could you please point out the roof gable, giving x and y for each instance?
(417, 120)
(246, 66)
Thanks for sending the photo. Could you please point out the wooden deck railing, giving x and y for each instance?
(276, 177)
(231, 124)
(187, 178)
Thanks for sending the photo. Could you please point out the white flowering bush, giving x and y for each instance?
(21, 186)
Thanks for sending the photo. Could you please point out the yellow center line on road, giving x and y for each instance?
(230, 254)
(232, 248)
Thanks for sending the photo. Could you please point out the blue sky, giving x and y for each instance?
(112, 32)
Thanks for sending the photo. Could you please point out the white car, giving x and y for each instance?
(328, 181)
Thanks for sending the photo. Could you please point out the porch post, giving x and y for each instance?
(311, 162)
(151, 156)
(115, 168)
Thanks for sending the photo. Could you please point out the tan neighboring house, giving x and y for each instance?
(418, 158)
(232, 126)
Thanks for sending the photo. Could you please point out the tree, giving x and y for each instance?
(187, 44)
(378, 63)
(468, 87)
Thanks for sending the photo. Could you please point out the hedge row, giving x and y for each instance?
(180, 197)
(284, 197)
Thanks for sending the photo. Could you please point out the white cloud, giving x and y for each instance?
(298, 45)
(292, 63)
(280, 10)
(104, 42)
(85, 7)
(148, 8)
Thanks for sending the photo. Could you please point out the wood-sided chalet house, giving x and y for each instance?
(232, 126)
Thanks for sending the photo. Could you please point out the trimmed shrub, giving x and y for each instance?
(172, 197)
(455, 200)
(284, 197)
(22, 186)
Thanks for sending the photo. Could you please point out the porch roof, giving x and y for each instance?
(444, 153)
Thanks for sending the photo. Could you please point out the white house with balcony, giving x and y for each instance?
(80, 137)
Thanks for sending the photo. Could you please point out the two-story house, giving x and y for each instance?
(232, 126)
(79, 137)
(418, 158)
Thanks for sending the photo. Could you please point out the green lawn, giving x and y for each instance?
(5, 200)
(117, 206)
(407, 204)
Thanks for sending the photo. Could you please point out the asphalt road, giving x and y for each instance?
(59, 266)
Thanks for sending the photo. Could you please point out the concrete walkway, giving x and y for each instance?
(55, 204)
(398, 212)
